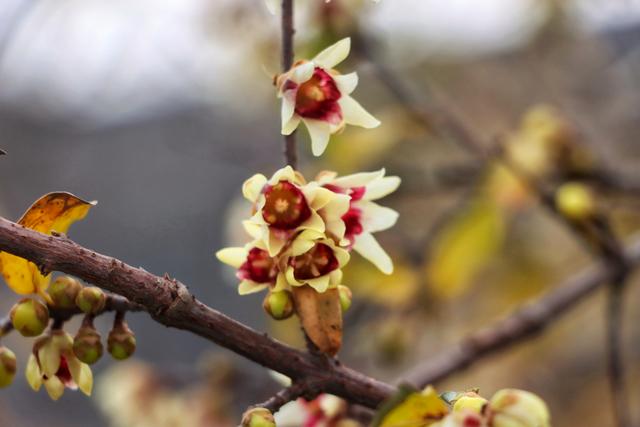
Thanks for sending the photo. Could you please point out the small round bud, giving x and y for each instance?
(29, 317)
(576, 201)
(258, 417)
(518, 408)
(470, 401)
(7, 366)
(91, 300)
(345, 297)
(121, 343)
(64, 291)
(87, 345)
(278, 305)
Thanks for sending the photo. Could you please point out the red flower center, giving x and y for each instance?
(63, 373)
(285, 207)
(316, 262)
(353, 217)
(259, 267)
(317, 98)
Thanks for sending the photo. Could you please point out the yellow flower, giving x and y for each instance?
(285, 206)
(314, 93)
(518, 408)
(257, 270)
(364, 216)
(54, 364)
(316, 261)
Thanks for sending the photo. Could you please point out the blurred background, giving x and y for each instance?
(160, 109)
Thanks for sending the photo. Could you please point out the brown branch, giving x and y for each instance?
(526, 322)
(170, 303)
(291, 157)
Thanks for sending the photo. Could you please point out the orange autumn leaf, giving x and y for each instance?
(412, 409)
(321, 317)
(52, 212)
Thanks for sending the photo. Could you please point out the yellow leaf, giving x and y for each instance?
(464, 247)
(416, 410)
(52, 212)
(321, 317)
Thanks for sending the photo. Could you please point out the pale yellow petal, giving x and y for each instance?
(49, 358)
(54, 387)
(367, 246)
(252, 187)
(301, 245)
(334, 54)
(361, 179)
(33, 374)
(320, 284)
(341, 254)
(319, 132)
(281, 282)
(247, 287)
(315, 222)
(274, 243)
(291, 279)
(234, 257)
(317, 197)
(302, 72)
(376, 217)
(291, 125)
(285, 174)
(346, 82)
(381, 187)
(354, 114)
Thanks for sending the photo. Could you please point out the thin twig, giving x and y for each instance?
(288, 30)
(526, 322)
(285, 396)
(615, 363)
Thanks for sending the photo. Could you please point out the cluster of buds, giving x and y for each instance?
(303, 232)
(59, 361)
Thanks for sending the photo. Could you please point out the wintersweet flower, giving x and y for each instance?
(284, 206)
(256, 269)
(315, 261)
(54, 364)
(314, 93)
(364, 216)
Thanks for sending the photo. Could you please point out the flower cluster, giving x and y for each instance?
(314, 93)
(303, 231)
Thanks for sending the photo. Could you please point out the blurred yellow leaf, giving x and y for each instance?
(464, 247)
(417, 409)
(52, 212)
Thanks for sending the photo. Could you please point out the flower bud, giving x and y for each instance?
(278, 305)
(30, 317)
(91, 300)
(575, 201)
(258, 417)
(121, 343)
(469, 401)
(87, 345)
(7, 366)
(518, 408)
(345, 297)
(63, 292)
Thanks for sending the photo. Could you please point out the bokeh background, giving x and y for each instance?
(159, 109)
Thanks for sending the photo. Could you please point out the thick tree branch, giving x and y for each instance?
(524, 323)
(170, 303)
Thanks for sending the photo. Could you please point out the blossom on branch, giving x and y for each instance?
(314, 93)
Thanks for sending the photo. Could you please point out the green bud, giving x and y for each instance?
(121, 343)
(64, 291)
(7, 366)
(258, 417)
(91, 300)
(30, 317)
(87, 345)
(345, 297)
(278, 305)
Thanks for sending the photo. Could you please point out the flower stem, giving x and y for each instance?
(291, 157)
